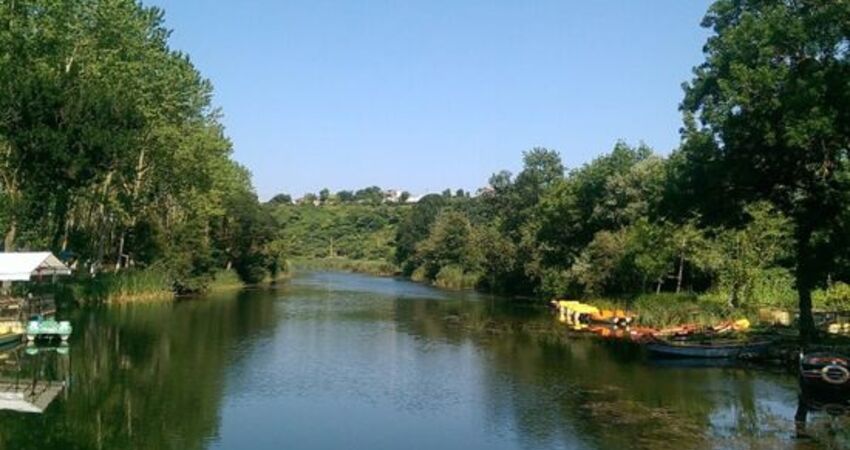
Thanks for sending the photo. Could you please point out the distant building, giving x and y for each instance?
(485, 191)
(393, 196)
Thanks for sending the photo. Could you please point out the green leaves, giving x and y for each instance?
(112, 148)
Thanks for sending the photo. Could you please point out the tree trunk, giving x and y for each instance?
(679, 275)
(120, 252)
(103, 224)
(60, 211)
(65, 236)
(9, 239)
(804, 285)
(9, 246)
(658, 286)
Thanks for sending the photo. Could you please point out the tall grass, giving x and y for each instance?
(667, 309)
(126, 286)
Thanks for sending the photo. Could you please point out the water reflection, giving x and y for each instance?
(29, 378)
(831, 430)
(345, 361)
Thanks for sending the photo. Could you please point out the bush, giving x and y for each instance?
(834, 298)
(775, 288)
(419, 275)
(453, 277)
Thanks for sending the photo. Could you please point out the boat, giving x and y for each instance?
(825, 371)
(707, 349)
(611, 316)
(575, 312)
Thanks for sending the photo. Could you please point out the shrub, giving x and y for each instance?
(420, 274)
(834, 298)
(453, 277)
(775, 288)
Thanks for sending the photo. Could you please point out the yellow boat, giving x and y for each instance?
(576, 312)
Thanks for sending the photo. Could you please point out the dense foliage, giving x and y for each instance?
(110, 149)
(753, 207)
(362, 231)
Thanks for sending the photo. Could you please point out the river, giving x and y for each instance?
(343, 361)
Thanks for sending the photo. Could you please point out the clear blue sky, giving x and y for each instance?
(424, 95)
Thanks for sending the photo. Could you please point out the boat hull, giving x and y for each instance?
(825, 373)
(671, 350)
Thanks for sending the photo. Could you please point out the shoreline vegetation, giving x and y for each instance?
(144, 286)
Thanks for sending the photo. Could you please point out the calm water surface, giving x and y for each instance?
(339, 361)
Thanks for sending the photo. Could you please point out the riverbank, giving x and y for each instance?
(133, 286)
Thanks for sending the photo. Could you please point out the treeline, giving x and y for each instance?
(372, 195)
(605, 229)
(111, 152)
(753, 206)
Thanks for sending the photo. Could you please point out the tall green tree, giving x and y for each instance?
(774, 97)
(110, 146)
(415, 228)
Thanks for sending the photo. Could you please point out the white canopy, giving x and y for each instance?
(22, 266)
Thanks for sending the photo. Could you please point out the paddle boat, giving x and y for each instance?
(47, 327)
(577, 313)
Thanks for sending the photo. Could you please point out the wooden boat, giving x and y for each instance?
(825, 372)
(709, 349)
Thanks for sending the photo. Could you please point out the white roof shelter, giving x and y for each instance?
(22, 266)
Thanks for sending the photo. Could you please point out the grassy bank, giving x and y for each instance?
(371, 267)
(138, 286)
(666, 310)
(127, 286)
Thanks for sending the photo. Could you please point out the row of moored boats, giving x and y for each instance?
(823, 370)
